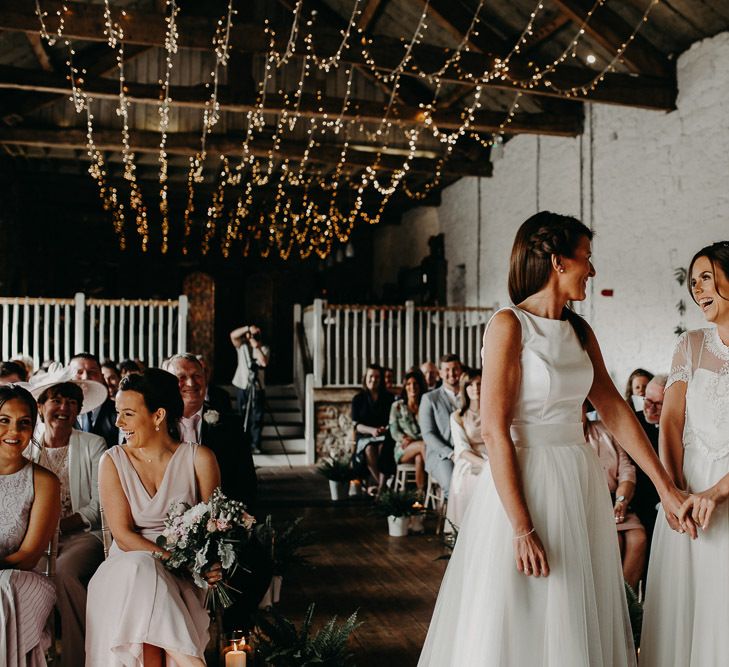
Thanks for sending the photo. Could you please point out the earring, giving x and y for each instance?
(156, 428)
(561, 269)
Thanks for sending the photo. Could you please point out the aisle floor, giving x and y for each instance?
(393, 582)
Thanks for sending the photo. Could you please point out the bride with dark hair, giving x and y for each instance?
(138, 612)
(535, 577)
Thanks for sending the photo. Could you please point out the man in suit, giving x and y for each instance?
(434, 416)
(646, 499)
(223, 433)
(102, 420)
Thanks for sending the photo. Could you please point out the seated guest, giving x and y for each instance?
(27, 364)
(637, 382)
(469, 450)
(101, 420)
(12, 372)
(138, 612)
(111, 377)
(430, 372)
(404, 426)
(28, 519)
(646, 501)
(389, 381)
(371, 418)
(223, 433)
(129, 367)
(435, 421)
(73, 456)
(620, 476)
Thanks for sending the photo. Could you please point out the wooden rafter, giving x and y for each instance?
(371, 11)
(188, 143)
(610, 31)
(86, 21)
(563, 124)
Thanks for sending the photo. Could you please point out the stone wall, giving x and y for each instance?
(654, 187)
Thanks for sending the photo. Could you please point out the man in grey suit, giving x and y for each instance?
(434, 416)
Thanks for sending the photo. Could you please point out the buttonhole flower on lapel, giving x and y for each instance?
(211, 417)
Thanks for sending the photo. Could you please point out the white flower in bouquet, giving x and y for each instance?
(211, 417)
(198, 537)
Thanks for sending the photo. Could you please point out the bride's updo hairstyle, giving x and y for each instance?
(159, 389)
(541, 236)
(716, 253)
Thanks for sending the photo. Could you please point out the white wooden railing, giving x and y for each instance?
(343, 339)
(55, 329)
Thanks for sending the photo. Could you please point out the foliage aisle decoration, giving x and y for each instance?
(280, 644)
(680, 274)
(339, 473)
(398, 507)
(198, 536)
(635, 611)
(284, 543)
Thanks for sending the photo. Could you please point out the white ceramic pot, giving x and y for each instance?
(397, 526)
(338, 490)
(276, 584)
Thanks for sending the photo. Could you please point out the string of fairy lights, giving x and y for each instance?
(281, 202)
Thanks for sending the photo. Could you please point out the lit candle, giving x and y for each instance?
(235, 658)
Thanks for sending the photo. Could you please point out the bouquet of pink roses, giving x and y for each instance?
(196, 537)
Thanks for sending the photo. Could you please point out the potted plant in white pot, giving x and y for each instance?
(339, 473)
(398, 507)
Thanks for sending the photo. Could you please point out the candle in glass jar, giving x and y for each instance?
(235, 658)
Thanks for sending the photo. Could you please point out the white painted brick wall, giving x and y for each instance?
(661, 191)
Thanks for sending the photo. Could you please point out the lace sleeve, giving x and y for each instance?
(681, 362)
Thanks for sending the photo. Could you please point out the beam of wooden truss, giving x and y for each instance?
(371, 11)
(610, 31)
(188, 143)
(566, 125)
(86, 21)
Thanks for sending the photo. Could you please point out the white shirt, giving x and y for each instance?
(240, 379)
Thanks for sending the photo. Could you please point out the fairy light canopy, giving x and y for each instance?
(277, 126)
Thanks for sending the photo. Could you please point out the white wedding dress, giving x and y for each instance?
(487, 613)
(687, 597)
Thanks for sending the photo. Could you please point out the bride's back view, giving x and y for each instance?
(542, 507)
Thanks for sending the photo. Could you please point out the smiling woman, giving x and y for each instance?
(28, 516)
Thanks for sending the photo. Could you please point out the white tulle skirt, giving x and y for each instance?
(687, 597)
(490, 615)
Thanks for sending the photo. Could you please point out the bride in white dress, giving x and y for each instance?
(535, 578)
(687, 596)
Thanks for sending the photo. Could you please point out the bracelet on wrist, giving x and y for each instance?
(518, 537)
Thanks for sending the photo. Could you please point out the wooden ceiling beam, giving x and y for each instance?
(14, 78)
(372, 10)
(188, 143)
(610, 31)
(86, 21)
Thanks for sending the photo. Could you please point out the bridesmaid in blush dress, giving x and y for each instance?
(138, 612)
(30, 504)
(535, 577)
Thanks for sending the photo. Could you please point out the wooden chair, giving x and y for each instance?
(405, 473)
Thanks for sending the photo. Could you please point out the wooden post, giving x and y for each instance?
(79, 321)
(318, 343)
(310, 419)
(410, 334)
(182, 323)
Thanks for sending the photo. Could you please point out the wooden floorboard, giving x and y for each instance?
(393, 582)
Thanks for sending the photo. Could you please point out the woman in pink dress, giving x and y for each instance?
(30, 504)
(138, 612)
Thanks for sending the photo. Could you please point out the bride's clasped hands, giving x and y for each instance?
(698, 508)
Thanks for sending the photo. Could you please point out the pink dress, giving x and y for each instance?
(26, 598)
(133, 600)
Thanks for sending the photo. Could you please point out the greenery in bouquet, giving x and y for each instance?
(398, 503)
(198, 536)
(336, 470)
(635, 611)
(280, 644)
(284, 542)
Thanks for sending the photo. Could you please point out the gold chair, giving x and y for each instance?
(106, 537)
(49, 570)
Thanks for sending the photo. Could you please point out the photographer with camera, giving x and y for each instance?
(250, 381)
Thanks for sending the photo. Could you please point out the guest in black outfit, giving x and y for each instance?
(102, 420)
(223, 433)
(371, 417)
(646, 500)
